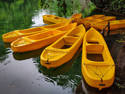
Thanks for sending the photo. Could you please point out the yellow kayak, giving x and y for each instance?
(98, 68)
(108, 18)
(93, 17)
(11, 36)
(98, 18)
(114, 25)
(89, 18)
(39, 40)
(76, 17)
(51, 19)
(63, 49)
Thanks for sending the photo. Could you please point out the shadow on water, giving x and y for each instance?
(6, 45)
(67, 75)
(27, 55)
(3, 52)
(62, 69)
(120, 67)
(83, 88)
(117, 49)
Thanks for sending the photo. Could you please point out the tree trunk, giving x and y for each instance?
(84, 3)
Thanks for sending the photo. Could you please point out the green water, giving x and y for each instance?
(21, 73)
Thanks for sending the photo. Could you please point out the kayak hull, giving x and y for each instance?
(37, 41)
(63, 49)
(11, 36)
(98, 68)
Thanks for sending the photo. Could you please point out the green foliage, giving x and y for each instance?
(87, 11)
(69, 7)
(62, 7)
(17, 14)
(113, 5)
(76, 6)
(53, 6)
(118, 5)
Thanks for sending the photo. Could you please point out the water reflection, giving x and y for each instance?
(38, 19)
(16, 14)
(67, 75)
(3, 52)
(120, 72)
(117, 50)
(6, 45)
(27, 55)
(83, 88)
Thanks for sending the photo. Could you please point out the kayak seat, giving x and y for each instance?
(74, 34)
(94, 48)
(92, 42)
(69, 40)
(66, 42)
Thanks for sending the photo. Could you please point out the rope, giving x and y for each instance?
(95, 73)
(102, 74)
(107, 70)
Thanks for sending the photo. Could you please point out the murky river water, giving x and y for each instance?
(21, 73)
